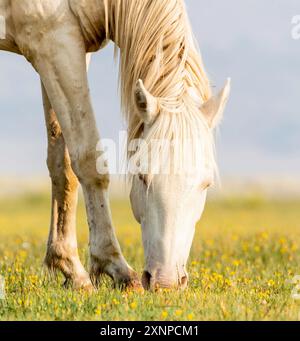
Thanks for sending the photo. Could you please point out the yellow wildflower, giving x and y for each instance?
(133, 305)
(190, 317)
(178, 312)
(98, 311)
(164, 314)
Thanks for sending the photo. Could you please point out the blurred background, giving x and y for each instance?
(258, 143)
(246, 249)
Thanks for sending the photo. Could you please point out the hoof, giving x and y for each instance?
(123, 276)
(80, 284)
(129, 283)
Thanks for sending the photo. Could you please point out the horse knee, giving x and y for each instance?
(85, 167)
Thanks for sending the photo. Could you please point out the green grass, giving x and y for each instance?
(245, 254)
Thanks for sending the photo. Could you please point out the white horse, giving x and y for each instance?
(157, 53)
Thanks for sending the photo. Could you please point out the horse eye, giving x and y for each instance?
(143, 178)
(206, 185)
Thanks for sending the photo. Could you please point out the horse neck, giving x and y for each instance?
(91, 15)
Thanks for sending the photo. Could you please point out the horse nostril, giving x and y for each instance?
(146, 280)
(184, 281)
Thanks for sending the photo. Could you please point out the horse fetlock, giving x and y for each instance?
(66, 260)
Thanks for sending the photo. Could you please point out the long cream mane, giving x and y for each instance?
(157, 45)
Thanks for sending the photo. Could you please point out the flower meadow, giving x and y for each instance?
(245, 256)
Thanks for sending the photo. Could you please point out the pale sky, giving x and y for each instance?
(248, 40)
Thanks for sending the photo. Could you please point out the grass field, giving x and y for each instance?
(245, 254)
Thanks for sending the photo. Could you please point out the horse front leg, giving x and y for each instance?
(64, 76)
(62, 253)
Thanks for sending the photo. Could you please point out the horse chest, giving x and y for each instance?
(32, 19)
(31, 12)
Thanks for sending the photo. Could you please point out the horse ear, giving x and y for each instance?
(214, 108)
(146, 104)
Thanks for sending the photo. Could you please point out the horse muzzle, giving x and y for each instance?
(159, 279)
